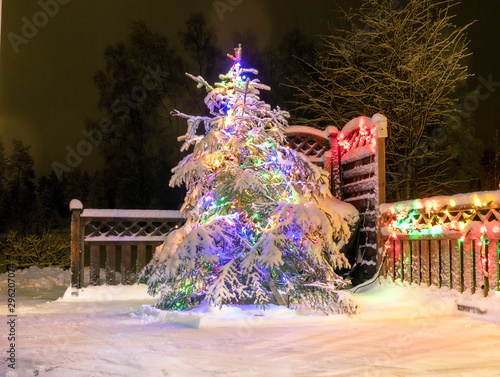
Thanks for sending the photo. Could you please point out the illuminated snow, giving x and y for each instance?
(400, 331)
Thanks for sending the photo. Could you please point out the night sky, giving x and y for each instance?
(46, 88)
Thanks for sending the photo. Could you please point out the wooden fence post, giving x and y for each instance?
(110, 264)
(333, 164)
(380, 122)
(76, 208)
(493, 264)
(435, 262)
(125, 264)
(416, 262)
(468, 263)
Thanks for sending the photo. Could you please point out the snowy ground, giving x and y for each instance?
(401, 331)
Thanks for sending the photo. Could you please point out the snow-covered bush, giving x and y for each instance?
(44, 250)
(261, 224)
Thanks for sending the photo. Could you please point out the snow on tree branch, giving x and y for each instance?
(260, 217)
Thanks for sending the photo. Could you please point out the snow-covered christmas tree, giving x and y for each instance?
(261, 226)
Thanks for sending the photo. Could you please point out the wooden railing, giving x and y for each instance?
(443, 243)
(118, 240)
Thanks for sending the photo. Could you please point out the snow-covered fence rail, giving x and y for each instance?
(451, 242)
(107, 237)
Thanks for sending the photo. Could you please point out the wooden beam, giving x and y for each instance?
(110, 264)
(125, 264)
(141, 260)
(76, 208)
(95, 264)
(381, 170)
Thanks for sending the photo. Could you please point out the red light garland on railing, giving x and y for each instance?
(364, 134)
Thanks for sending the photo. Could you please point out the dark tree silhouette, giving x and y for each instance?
(20, 205)
(200, 41)
(142, 80)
